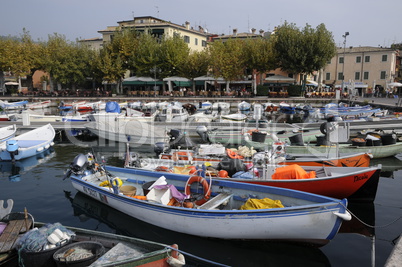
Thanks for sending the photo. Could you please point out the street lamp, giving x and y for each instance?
(343, 66)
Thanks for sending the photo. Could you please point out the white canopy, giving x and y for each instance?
(176, 79)
(395, 84)
(279, 78)
(11, 83)
(208, 78)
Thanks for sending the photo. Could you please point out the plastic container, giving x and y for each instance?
(40, 259)
(296, 140)
(322, 140)
(388, 139)
(96, 249)
(258, 137)
(358, 142)
(373, 142)
(128, 190)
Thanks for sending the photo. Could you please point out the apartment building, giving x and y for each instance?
(362, 68)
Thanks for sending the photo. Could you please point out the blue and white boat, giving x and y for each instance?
(7, 132)
(28, 144)
(210, 208)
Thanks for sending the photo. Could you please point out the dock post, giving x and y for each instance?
(25, 118)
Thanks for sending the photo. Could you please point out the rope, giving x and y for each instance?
(196, 257)
(368, 225)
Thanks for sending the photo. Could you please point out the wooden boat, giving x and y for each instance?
(7, 132)
(114, 250)
(28, 144)
(320, 177)
(214, 153)
(223, 204)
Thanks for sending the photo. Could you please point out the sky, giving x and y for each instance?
(369, 23)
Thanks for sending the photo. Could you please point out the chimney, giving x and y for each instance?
(261, 31)
(201, 29)
(187, 25)
(234, 32)
(253, 30)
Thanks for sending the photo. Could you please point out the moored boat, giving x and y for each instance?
(7, 132)
(28, 144)
(223, 204)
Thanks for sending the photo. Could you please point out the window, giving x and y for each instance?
(340, 75)
(186, 39)
(327, 76)
(384, 58)
(341, 60)
(366, 75)
(358, 59)
(204, 43)
(357, 75)
(196, 41)
(329, 62)
(367, 59)
(383, 75)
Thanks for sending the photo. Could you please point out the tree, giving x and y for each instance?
(172, 55)
(303, 51)
(197, 64)
(227, 59)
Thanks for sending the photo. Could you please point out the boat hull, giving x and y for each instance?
(313, 221)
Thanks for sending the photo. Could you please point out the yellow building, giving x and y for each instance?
(195, 38)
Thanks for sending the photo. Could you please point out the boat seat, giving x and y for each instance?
(219, 199)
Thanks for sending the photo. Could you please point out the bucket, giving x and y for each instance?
(40, 259)
(388, 139)
(258, 137)
(96, 250)
(358, 142)
(145, 187)
(322, 140)
(128, 190)
(296, 140)
(372, 142)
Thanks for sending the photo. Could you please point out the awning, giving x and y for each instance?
(183, 83)
(142, 83)
(11, 83)
(279, 78)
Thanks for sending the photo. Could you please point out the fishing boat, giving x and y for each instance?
(233, 118)
(72, 246)
(313, 175)
(5, 105)
(224, 205)
(135, 132)
(7, 132)
(39, 105)
(28, 144)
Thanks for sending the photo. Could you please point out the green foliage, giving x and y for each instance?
(295, 90)
(262, 90)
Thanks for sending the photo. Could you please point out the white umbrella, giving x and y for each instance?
(11, 83)
(395, 84)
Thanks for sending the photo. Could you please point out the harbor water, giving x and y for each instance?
(37, 184)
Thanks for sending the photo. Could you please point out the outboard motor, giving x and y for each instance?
(180, 139)
(12, 148)
(160, 147)
(78, 166)
(202, 132)
(133, 160)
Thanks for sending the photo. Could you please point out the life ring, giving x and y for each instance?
(117, 182)
(205, 187)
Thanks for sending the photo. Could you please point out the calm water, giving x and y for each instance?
(38, 185)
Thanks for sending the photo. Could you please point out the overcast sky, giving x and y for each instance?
(369, 22)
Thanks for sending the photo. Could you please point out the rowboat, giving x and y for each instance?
(224, 205)
(28, 144)
(106, 249)
(135, 132)
(7, 132)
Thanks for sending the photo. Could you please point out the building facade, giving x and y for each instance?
(196, 39)
(362, 68)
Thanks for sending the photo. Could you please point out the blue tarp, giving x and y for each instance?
(112, 106)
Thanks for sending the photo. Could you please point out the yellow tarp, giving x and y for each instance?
(265, 203)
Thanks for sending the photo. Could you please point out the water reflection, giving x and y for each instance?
(389, 165)
(234, 253)
(13, 170)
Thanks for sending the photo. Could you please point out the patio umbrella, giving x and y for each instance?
(180, 81)
(395, 84)
(279, 78)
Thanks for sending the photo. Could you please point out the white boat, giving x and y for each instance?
(13, 105)
(135, 132)
(173, 113)
(223, 106)
(234, 118)
(7, 132)
(39, 105)
(221, 206)
(244, 106)
(28, 144)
